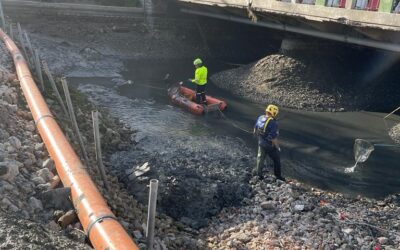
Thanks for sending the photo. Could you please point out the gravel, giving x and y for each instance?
(272, 218)
(310, 82)
(24, 221)
(395, 133)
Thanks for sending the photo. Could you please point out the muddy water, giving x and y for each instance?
(316, 147)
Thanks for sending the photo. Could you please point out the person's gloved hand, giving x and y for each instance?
(278, 148)
(180, 83)
(190, 80)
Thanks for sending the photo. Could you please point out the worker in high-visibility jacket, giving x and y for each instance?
(200, 79)
(267, 129)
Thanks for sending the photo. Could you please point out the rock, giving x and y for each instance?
(5, 203)
(12, 108)
(124, 224)
(57, 199)
(268, 205)
(55, 182)
(347, 230)
(57, 214)
(43, 187)
(25, 115)
(383, 240)
(53, 226)
(39, 146)
(299, 207)
(137, 234)
(45, 174)
(9, 170)
(30, 127)
(11, 149)
(242, 237)
(49, 164)
(38, 180)
(15, 142)
(35, 204)
(14, 208)
(67, 219)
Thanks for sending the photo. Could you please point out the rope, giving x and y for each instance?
(234, 124)
(147, 86)
(391, 113)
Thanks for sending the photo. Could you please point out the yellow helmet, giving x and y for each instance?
(273, 110)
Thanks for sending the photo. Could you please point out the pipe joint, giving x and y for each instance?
(99, 220)
(42, 118)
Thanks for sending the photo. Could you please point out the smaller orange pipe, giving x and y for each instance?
(99, 223)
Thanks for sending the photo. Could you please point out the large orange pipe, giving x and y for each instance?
(98, 221)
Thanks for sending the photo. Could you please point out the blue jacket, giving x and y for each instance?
(266, 133)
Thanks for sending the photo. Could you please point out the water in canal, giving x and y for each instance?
(316, 146)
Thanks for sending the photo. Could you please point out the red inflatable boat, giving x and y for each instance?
(186, 98)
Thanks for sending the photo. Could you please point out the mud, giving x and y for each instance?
(199, 175)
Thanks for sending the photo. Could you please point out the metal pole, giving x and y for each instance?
(19, 33)
(3, 20)
(391, 113)
(144, 12)
(54, 86)
(28, 41)
(97, 144)
(21, 41)
(11, 31)
(73, 119)
(151, 216)
(39, 69)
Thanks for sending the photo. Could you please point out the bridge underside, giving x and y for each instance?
(353, 33)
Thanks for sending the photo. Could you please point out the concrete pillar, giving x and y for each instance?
(289, 45)
(295, 45)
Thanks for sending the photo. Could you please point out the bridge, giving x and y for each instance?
(371, 23)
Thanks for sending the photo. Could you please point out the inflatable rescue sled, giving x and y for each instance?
(186, 98)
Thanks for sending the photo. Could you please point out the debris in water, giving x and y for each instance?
(362, 150)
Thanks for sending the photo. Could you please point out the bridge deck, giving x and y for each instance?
(348, 16)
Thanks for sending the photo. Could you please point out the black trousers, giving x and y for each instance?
(201, 94)
(274, 154)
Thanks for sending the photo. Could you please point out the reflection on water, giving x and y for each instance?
(316, 147)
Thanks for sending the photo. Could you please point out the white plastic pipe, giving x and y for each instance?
(151, 216)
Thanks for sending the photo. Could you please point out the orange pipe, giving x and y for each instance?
(99, 223)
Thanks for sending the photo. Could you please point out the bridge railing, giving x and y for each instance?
(387, 6)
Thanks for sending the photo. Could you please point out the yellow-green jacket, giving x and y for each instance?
(200, 76)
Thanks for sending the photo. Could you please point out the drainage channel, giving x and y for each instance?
(204, 163)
